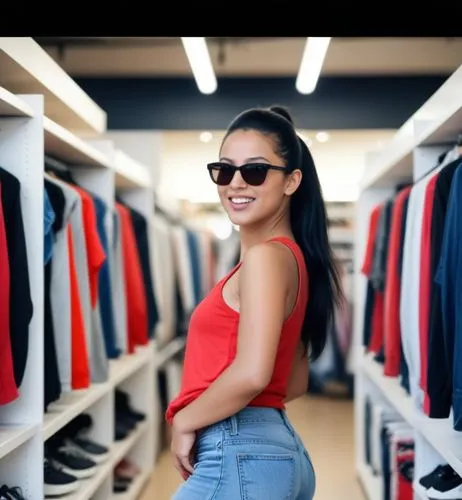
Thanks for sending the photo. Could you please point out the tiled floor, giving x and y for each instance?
(326, 427)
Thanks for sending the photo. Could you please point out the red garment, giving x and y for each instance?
(8, 390)
(136, 301)
(80, 363)
(376, 340)
(391, 318)
(404, 485)
(425, 286)
(212, 343)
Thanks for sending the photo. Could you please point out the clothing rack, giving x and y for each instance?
(414, 154)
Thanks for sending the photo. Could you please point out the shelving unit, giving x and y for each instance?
(410, 154)
(52, 116)
(25, 68)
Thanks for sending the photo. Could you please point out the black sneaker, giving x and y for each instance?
(120, 486)
(123, 407)
(73, 462)
(449, 482)
(57, 482)
(14, 493)
(430, 479)
(88, 448)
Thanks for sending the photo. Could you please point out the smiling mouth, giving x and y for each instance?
(240, 200)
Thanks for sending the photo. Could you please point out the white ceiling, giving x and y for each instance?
(274, 56)
(340, 163)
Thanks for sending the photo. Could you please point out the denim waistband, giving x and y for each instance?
(250, 415)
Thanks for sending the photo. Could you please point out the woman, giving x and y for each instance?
(251, 338)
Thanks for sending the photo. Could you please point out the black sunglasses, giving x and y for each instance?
(252, 173)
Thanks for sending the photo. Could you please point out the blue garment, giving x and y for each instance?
(255, 454)
(194, 257)
(449, 277)
(48, 220)
(104, 283)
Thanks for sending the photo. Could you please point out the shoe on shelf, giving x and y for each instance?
(57, 482)
(119, 486)
(126, 469)
(11, 493)
(88, 448)
(121, 430)
(73, 462)
(126, 420)
(437, 473)
(123, 406)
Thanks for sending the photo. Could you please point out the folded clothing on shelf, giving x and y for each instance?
(442, 483)
(11, 493)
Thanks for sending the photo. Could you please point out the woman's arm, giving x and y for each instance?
(298, 381)
(263, 286)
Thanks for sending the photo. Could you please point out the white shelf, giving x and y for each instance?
(372, 484)
(11, 437)
(419, 490)
(166, 353)
(437, 121)
(120, 449)
(66, 146)
(437, 432)
(130, 173)
(25, 68)
(390, 388)
(11, 105)
(125, 366)
(72, 404)
(69, 406)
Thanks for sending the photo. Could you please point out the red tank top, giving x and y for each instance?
(212, 343)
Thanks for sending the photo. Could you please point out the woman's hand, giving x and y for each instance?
(183, 450)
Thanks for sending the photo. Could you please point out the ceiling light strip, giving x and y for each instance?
(312, 61)
(201, 63)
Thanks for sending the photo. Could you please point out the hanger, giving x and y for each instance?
(59, 169)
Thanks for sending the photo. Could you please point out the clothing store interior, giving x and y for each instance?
(119, 132)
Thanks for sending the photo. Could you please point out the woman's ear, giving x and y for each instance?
(293, 181)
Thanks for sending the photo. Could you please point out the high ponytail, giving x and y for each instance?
(309, 224)
(308, 220)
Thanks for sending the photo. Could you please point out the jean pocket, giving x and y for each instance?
(266, 476)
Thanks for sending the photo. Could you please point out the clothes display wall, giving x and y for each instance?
(407, 287)
(88, 246)
(96, 289)
(410, 314)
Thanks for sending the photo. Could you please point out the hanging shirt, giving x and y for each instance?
(21, 307)
(8, 390)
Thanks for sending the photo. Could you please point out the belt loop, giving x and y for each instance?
(233, 431)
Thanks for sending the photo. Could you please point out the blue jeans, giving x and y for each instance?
(253, 455)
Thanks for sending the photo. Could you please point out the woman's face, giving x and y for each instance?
(246, 204)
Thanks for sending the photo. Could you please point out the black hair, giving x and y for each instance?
(308, 220)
